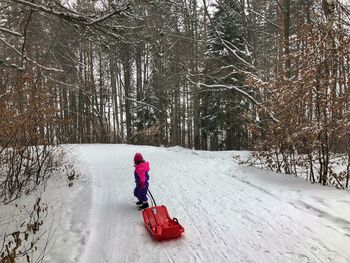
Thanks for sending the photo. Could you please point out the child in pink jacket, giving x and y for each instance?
(141, 179)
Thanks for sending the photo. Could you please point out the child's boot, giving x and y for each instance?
(143, 206)
(138, 203)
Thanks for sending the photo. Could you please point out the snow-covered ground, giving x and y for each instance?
(231, 213)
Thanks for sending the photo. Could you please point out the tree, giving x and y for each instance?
(308, 100)
(226, 97)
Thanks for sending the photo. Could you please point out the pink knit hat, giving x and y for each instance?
(138, 157)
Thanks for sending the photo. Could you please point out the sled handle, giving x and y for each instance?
(175, 220)
(152, 197)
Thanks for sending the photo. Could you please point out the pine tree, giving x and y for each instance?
(224, 104)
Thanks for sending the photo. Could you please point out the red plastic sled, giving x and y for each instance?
(159, 223)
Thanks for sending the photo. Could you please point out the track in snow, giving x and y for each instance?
(228, 215)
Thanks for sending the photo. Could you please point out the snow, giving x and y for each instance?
(231, 213)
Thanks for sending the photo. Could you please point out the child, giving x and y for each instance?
(141, 180)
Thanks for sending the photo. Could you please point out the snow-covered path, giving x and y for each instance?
(231, 213)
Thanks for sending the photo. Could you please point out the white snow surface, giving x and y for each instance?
(230, 213)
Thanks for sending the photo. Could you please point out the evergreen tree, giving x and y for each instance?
(224, 104)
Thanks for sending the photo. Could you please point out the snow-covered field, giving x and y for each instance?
(231, 213)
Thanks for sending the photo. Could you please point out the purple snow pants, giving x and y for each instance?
(141, 193)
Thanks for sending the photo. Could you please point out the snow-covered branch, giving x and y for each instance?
(229, 87)
(224, 42)
(10, 46)
(44, 67)
(264, 18)
(4, 63)
(26, 58)
(142, 103)
(6, 30)
(72, 15)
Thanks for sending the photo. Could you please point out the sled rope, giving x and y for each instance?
(154, 202)
(155, 205)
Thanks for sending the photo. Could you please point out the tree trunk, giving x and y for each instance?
(127, 62)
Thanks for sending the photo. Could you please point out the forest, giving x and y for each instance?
(268, 80)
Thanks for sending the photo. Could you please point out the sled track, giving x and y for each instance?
(227, 217)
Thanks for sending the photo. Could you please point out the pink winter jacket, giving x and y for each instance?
(141, 173)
